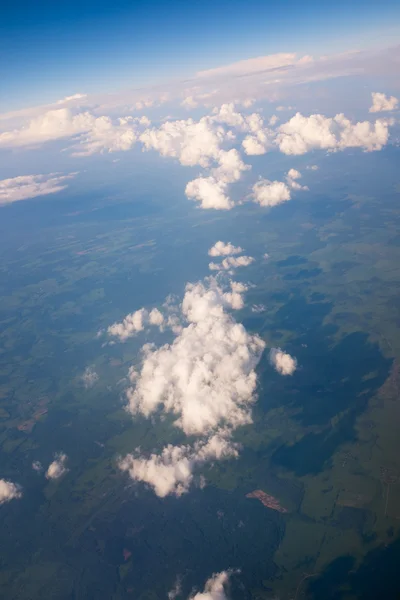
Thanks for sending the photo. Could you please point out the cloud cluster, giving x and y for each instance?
(9, 491)
(205, 379)
(282, 362)
(31, 186)
(135, 322)
(302, 134)
(381, 103)
(58, 467)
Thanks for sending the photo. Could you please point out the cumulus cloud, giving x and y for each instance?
(301, 134)
(215, 588)
(205, 378)
(231, 262)
(135, 322)
(31, 186)
(92, 134)
(292, 177)
(381, 103)
(57, 468)
(89, 377)
(270, 193)
(37, 466)
(282, 362)
(9, 491)
(224, 249)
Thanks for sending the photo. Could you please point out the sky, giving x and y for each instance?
(60, 48)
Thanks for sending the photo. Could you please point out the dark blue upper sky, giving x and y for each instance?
(53, 49)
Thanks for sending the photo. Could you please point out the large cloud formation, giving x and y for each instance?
(205, 379)
(31, 186)
(9, 491)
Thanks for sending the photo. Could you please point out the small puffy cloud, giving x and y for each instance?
(215, 588)
(37, 466)
(134, 323)
(312, 168)
(9, 491)
(25, 187)
(210, 193)
(381, 103)
(223, 249)
(231, 262)
(282, 362)
(270, 193)
(301, 134)
(273, 120)
(89, 377)
(292, 177)
(252, 65)
(58, 467)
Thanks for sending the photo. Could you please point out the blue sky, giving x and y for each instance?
(53, 49)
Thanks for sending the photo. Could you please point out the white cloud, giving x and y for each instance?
(71, 98)
(291, 179)
(252, 65)
(89, 377)
(270, 193)
(282, 362)
(134, 323)
(9, 491)
(273, 120)
(58, 467)
(96, 134)
(301, 134)
(205, 378)
(37, 466)
(171, 472)
(176, 590)
(215, 588)
(231, 262)
(31, 186)
(381, 103)
(210, 193)
(312, 168)
(223, 249)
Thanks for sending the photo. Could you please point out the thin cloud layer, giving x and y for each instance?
(282, 362)
(381, 103)
(58, 467)
(9, 491)
(25, 187)
(89, 377)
